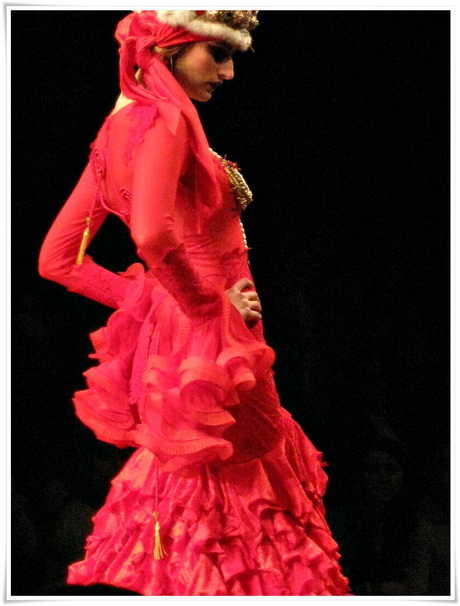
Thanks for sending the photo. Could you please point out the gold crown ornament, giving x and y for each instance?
(231, 26)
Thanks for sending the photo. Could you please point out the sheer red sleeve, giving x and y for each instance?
(59, 251)
(160, 163)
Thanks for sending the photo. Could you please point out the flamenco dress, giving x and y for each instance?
(234, 482)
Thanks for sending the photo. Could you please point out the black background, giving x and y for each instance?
(340, 122)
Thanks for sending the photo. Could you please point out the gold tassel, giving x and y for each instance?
(159, 551)
(84, 243)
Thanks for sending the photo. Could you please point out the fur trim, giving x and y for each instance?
(241, 39)
(176, 18)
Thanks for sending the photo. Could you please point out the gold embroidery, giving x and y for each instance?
(240, 187)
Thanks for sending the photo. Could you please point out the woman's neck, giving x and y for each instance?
(122, 101)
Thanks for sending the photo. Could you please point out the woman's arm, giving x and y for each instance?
(57, 260)
(160, 162)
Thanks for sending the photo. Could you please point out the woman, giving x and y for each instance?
(223, 495)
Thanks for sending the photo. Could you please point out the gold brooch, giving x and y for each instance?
(240, 187)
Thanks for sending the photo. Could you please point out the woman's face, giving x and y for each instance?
(203, 67)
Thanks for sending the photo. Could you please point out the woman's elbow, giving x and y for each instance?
(48, 272)
(44, 266)
(154, 246)
(52, 268)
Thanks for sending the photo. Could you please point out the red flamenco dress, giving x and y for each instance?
(233, 481)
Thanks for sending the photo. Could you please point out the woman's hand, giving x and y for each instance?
(245, 300)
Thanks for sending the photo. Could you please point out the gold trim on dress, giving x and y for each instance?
(237, 181)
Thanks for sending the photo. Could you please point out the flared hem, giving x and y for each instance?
(249, 529)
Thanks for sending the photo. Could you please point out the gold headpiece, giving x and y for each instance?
(231, 26)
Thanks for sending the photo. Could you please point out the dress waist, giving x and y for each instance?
(217, 264)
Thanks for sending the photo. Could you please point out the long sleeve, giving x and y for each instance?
(155, 220)
(60, 248)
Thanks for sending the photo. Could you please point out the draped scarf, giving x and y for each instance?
(137, 34)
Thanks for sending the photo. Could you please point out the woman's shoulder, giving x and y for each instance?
(158, 112)
(144, 124)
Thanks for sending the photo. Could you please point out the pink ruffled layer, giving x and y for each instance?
(178, 389)
(255, 528)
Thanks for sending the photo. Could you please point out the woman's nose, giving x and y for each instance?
(226, 71)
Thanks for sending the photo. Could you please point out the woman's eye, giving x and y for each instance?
(219, 54)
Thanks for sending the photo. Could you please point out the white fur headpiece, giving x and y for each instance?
(231, 26)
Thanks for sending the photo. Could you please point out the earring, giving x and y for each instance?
(171, 65)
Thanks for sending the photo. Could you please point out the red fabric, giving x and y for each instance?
(149, 31)
(251, 529)
(239, 485)
(137, 34)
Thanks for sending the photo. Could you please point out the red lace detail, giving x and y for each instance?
(235, 264)
(177, 275)
(97, 283)
(97, 162)
(144, 116)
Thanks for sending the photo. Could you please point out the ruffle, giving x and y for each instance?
(178, 389)
(104, 406)
(255, 528)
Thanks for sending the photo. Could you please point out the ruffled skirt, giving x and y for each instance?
(237, 485)
(248, 529)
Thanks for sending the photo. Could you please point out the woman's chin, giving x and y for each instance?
(202, 96)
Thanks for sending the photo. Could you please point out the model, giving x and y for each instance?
(223, 495)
